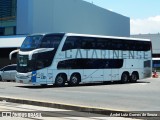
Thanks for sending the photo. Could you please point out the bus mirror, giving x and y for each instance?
(11, 53)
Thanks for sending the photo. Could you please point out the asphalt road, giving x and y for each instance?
(141, 96)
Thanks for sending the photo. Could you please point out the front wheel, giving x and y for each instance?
(124, 78)
(60, 80)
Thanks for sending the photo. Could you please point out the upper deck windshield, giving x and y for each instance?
(40, 41)
(31, 43)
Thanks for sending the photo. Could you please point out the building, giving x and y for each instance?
(7, 17)
(8, 44)
(155, 38)
(75, 16)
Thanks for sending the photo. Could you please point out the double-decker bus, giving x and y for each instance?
(60, 58)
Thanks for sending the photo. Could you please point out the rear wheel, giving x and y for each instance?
(43, 85)
(0, 78)
(74, 80)
(134, 77)
(124, 78)
(60, 80)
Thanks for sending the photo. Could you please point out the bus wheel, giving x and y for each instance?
(0, 78)
(134, 77)
(74, 80)
(43, 85)
(124, 78)
(60, 80)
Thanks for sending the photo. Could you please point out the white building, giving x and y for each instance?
(75, 16)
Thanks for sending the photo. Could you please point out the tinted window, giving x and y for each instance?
(31, 43)
(51, 41)
(72, 43)
(105, 44)
(40, 41)
(101, 43)
(88, 43)
(147, 63)
(79, 43)
(90, 64)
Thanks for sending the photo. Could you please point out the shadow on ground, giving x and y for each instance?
(80, 85)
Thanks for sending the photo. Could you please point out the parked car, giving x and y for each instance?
(8, 72)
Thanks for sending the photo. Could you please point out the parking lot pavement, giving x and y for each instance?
(141, 96)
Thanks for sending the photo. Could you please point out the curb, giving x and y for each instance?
(78, 108)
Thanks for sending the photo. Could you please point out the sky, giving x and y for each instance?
(144, 14)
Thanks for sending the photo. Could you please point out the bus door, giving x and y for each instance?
(98, 75)
(94, 70)
(116, 65)
(49, 76)
(112, 69)
(98, 70)
(93, 74)
(107, 74)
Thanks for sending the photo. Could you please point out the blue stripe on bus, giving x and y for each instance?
(33, 76)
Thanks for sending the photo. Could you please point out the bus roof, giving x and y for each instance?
(102, 36)
(89, 35)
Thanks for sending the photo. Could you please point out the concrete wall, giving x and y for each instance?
(77, 16)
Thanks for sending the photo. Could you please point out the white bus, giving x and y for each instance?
(156, 64)
(61, 58)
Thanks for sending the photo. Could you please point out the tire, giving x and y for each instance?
(124, 78)
(43, 85)
(60, 80)
(134, 77)
(0, 79)
(74, 80)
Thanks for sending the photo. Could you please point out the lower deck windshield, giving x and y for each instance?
(39, 61)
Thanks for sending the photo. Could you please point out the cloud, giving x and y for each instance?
(145, 26)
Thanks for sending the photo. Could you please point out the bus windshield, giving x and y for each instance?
(31, 43)
(40, 41)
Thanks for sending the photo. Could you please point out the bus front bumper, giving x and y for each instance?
(24, 78)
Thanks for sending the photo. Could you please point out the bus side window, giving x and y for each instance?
(101, 44)
(88, 43)
(71, 43)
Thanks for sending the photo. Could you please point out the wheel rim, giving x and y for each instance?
(125, 78)
(134, 77)
(74, 80)
(60, 80)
